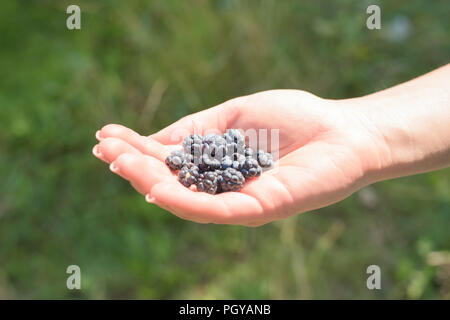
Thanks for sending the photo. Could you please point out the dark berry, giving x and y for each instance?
(208, 182)
(238, 161)
(248, 152)
(264, 159)
(189, 174)
(227, 162)
(208, 163)
(234, 135)
(238, 157)
(250, 168)
(215, 139)
(215, 146)
(176, 160)
(231, 180)
(218, 163)
(192, 144)
(236, 165)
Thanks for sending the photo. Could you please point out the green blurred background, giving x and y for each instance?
(145, 64)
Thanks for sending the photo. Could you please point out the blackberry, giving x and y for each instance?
(248, 152)
(226, 162)
(193, 145)
(208, 182)
(214, 139)
(208, 164)
(250, 168)
(176, 160)
(235, 141)
(231, 180)
(217, 163)
(238, 157)
(238, 161)
(215, 146)
(231, 148)
(264, 159)
(189, 158)
(234, 135)
(219, 176)
(189, 174)
(234, 147)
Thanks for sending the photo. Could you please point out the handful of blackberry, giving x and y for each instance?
(217, 163)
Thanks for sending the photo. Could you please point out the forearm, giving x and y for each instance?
(411, 123)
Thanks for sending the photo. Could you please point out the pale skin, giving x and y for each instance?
(328, 149)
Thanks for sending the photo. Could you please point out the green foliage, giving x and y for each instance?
(147, 63)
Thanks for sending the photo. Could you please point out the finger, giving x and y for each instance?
(145, 145)
(97, 153)
(176, 206)
(271, 193)
(112, 130)
(213, 120)
(141, 171)
(144, 172)
(110, 148)
(257, 224)
(151, 177)
(226, 208)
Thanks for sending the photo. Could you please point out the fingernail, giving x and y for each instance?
(97, 135)
(149, 198)
(113, 168)
(95, 151)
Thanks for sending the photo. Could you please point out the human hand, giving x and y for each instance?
(327, 150)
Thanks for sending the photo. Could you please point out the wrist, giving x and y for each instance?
(409, 132)
(369, 138)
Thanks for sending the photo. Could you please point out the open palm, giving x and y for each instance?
(325, 152)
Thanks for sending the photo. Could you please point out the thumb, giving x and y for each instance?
(213, 120)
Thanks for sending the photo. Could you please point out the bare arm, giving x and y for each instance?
(412, 122)
(328, 149)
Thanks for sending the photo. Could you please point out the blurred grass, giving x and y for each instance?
(147, 63)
